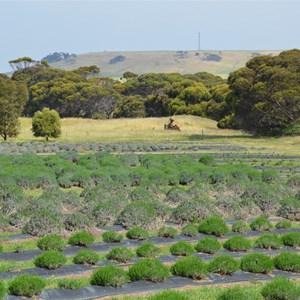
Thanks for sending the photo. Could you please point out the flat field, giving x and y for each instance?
(193, 129)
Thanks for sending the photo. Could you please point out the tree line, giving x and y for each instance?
(262, 98)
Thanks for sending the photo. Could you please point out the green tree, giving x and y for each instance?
(266, 93)
(22, 63)
(46, 123)
(13, 97)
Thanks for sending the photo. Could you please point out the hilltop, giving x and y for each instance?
(114, 64)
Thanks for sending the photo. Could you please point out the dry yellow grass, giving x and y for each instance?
(152, 130)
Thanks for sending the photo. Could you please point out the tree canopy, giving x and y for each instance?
(13, 97)
(46, 123)
(265, 95)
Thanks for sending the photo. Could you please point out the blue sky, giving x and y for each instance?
(37, 28)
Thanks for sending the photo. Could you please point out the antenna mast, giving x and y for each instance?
(198, 41)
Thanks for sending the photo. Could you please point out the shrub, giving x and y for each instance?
(86, 257)
(26, 285)
(240, 227)
(281, 289)
(181, 248)
(42, 223)
(291, 239)
(238, 293)
(190, 230)
(140, 214)
(150, 269)
(261, 224)
(69, 284)
(287, 261)
(2, 289)
(283, 224)
(213, 225)
(290, 209)
(77, 221)
(257, 263)
(147, 249)
(169, 295)
(237, 243)
(268, 241)
(82, 239)
(137, 233)
(207, 160)
(51, 242)
(192, 211)
(167, 232)
(112, 237)
(208, 245)
(223, 264)
(269, 176)
(191, 267)
(50, 260)
(176, 196)
(120, 254)
(109, 276)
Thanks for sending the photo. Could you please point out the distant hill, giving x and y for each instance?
(114, 64)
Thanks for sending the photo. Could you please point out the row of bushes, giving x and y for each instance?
(279, 288)
(190, 267)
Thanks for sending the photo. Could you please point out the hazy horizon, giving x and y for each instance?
(37, 28)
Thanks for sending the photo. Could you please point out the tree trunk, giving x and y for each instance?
(47, 138)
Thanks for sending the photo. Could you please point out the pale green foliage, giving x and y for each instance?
(46, 123)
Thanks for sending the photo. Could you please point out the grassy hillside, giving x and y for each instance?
(151, 130)
(164, 61)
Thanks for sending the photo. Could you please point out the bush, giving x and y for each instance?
(150, 269)
(269, 176)
(137, 233)
(2, 289)
(181, 248)
(42, 223)
(140, 214)
(190, 230)
(26, 286)
(223, 264)
(112, 237)
(109, 276)
(283, 225)
(69, 284)
(287, 261)
(238, 293)
(120, 254)
(169, 295)
(167, 232)
(257, 263)
(82, 239)
(191, 267)
(290, 209)
(208, 245)
(77, 221)
(261, 224)
(240, 227)
(147, 249)
(86, 257)
(207, 160)
(237, 243)
(51, 242)
(291, 239)
(214, 225)
(281, 289)
(50, 260)
(268, 241)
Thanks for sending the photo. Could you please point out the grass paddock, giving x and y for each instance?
(193, 129)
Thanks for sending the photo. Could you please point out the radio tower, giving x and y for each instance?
(198, 41)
